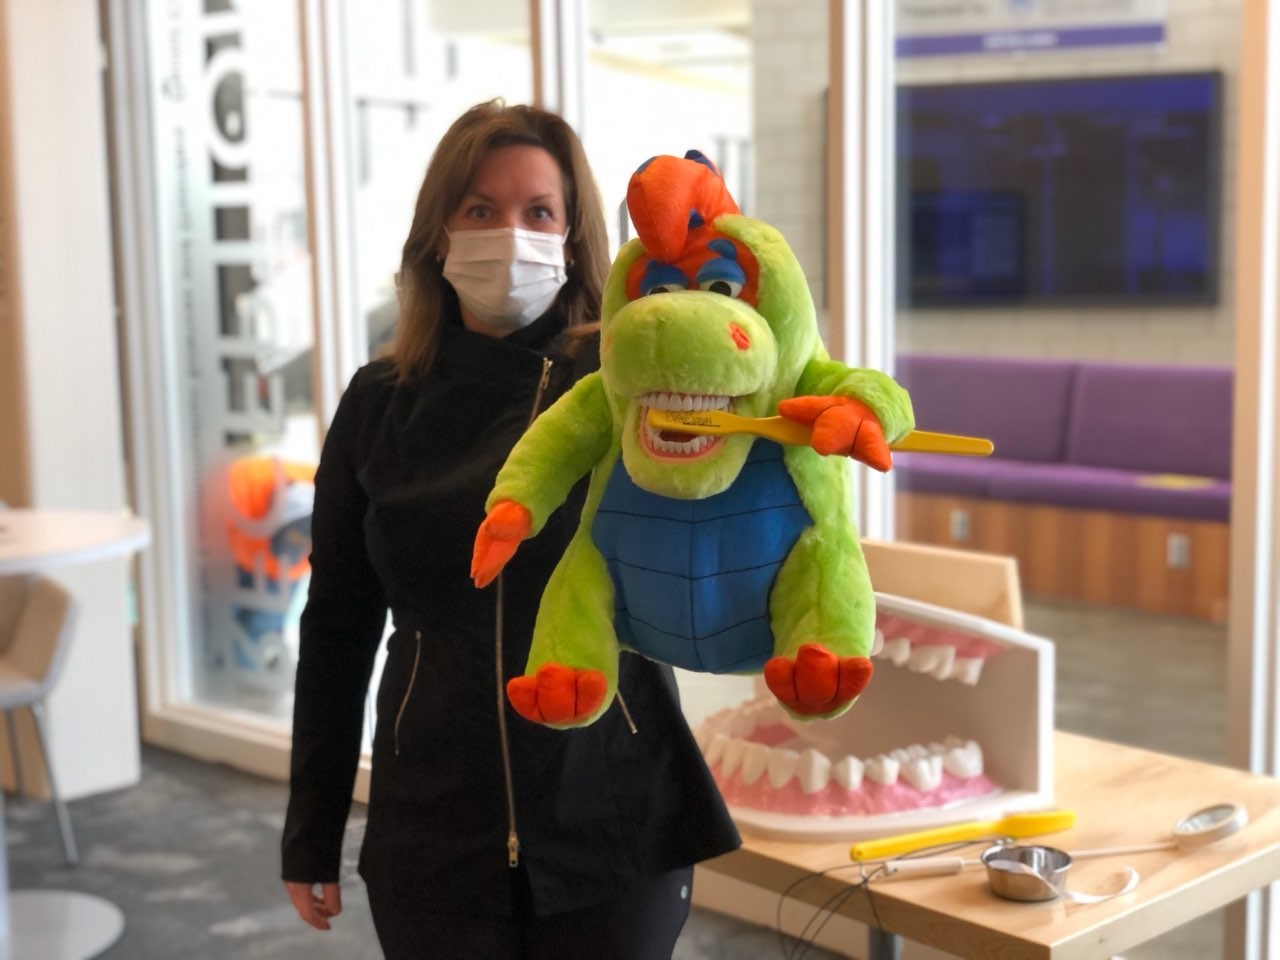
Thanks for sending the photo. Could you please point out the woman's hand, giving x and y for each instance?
(312, 909)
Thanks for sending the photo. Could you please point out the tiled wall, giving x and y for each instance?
(790, 43)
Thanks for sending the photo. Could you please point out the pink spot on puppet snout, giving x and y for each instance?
(739, 337)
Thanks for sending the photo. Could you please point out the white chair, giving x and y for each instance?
(30, 664)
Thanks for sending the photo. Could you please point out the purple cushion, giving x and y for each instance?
(952, 476)
(1101, 488)
(1155, 419)
(1021, 405)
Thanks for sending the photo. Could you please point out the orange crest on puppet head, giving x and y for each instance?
(674, 202)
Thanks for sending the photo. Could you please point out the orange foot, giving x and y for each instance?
(557, 695)
(817, 681)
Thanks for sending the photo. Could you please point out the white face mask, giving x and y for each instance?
(507, 277)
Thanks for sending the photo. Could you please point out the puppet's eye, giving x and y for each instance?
(721, 276)
(662, 278)
(729, 288)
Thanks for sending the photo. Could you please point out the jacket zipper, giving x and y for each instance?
(408, 691)
(513, 839)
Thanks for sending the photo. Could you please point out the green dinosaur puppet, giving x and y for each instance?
(716, 554)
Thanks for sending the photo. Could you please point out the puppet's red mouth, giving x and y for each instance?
(677, 444)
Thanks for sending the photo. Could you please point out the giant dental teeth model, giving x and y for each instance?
(957, 723)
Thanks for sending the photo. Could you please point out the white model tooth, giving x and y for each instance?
(924, 658)
(814, 771)
(702, 737)
(686, 402)
(898, 650)
(769, 714)
(715, 750)
(954, 741)
(755, 759)
(942, 748)
(732, 757)
(883, 770)
(963, 763)
(782, 767)
(923, 773)
(967, 670)
(877, 645)
(848, 773)
(946, 662)
(902, 754)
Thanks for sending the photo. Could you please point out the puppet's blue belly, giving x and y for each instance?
(692, 577)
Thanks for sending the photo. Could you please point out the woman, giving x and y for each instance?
(488, 836)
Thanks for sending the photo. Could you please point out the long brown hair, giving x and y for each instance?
(422, 287)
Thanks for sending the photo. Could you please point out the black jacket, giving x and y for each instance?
(399, 495)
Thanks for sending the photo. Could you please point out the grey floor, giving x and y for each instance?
(190, 853)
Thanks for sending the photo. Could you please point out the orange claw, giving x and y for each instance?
(497, 539)
(817, 681)
(842, 425)
(557, 694)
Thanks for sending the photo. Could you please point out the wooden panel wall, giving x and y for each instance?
(1092, 555)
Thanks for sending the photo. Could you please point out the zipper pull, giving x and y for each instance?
(513, 849)
(546, 374)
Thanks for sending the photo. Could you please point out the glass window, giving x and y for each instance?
(238, 334)
(665, 83)
(414, 68)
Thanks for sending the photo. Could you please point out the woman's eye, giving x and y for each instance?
(541, 213)
(478, 212)
(728, 288)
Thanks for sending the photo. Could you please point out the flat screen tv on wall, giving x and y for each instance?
(1080, 191)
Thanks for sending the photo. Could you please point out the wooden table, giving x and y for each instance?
(1122, 796)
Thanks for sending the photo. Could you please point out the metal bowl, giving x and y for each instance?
(1027, 873)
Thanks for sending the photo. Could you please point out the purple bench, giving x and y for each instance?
(1142, 439)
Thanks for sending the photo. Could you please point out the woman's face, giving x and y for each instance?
(515, 186)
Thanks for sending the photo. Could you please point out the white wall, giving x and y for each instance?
(790, 47)
(60, 335)
(790, 76)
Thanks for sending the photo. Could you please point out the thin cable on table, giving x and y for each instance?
(806, 939)
(828, 908)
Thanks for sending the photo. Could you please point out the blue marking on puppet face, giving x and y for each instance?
(697, 156)
(722, 274)
(662, 278)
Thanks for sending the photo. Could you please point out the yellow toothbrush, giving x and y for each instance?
(1017, 825)
(721, 422)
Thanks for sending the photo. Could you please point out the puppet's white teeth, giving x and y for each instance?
(814, 771)
(848, 773)
(964, 762)
(923, 773)
(967, 670)
(782, 766)
(882, 769)
(755, 760)
(684, 401)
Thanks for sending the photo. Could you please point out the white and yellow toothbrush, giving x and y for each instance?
(718, 423)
